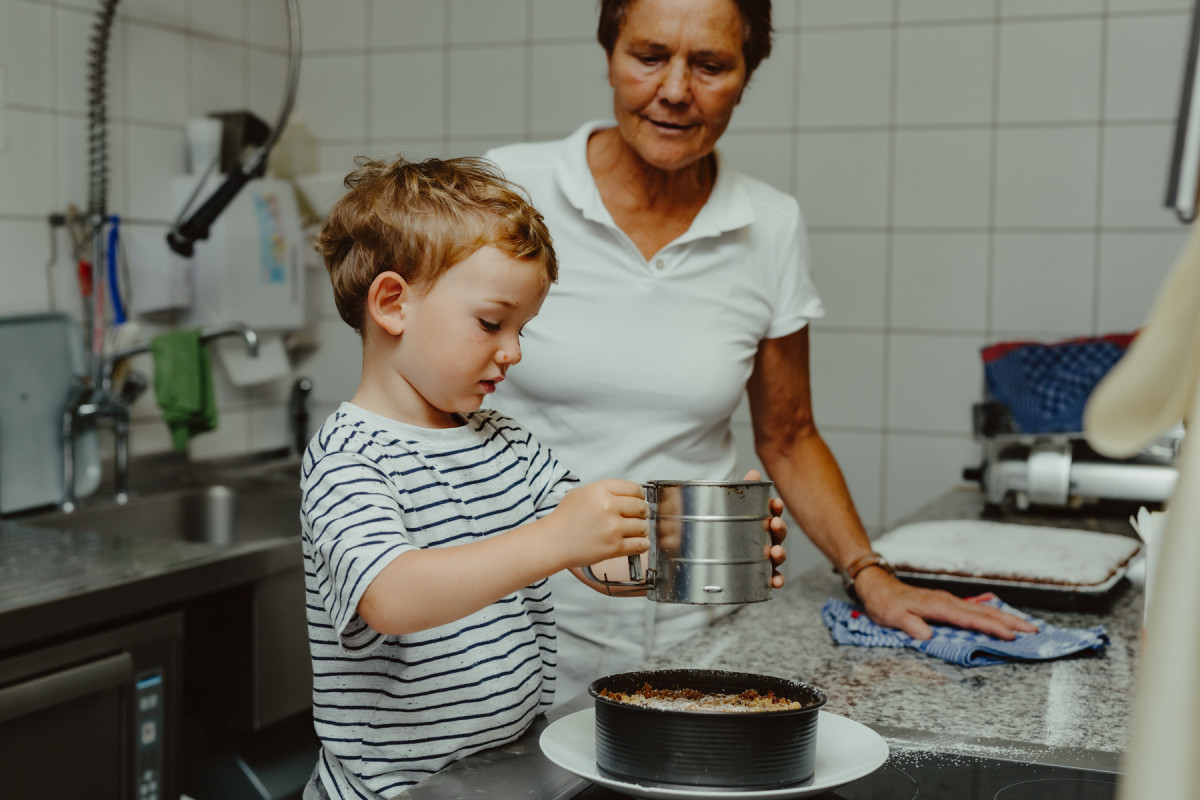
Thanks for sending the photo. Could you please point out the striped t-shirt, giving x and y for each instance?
(392, 710)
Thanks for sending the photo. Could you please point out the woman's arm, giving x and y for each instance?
(811, 484)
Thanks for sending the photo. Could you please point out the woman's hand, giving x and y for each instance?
(778, 530)
(602, 520)
(894, 604)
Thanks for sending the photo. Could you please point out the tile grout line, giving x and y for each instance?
(1097, 237)
(889, 265)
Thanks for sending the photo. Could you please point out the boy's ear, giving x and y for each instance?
(386, 301)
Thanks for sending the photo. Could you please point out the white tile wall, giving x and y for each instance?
(918, 468)
(217, 77)
(860, 455)
(943, 178)
(768, 101)
(841, 178)
(765, 155)
(26, 179)
(70, 62)
(485, 100)
(1050, 71)
(332, 26)
(1128, 6)
(155, 69)
(408, 95)
(158, 152)
(568, 86)
(1143, 66)
(1050, 8)
(1133, 267)
(814, 13)
(945, 10)
(25, 252)
(162, 12)
(332, 97)
(405, 23)
(851, 271)
(1047, 177)
(1136, 159)
(862, 95)
(970, 170)
(266, 77)
(25, 47)
(944, 74)
(266, 23)
(932, 381)
(565, 19)
(1043, 282)
(956, 263)
(847, 370)
(476, 21)
(224, 18)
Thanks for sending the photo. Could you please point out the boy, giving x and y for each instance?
(430, 525)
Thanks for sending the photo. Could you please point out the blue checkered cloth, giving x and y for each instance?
(1047, 386)
(849, 624)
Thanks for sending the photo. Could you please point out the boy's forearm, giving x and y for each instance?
(422, 589)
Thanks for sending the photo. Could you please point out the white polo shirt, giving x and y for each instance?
(634, 367)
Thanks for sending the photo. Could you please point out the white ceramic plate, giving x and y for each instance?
(846, 751)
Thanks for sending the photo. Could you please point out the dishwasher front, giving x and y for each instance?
(95, 715)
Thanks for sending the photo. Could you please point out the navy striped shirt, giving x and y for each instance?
(392, 710)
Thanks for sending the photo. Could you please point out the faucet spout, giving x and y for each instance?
(248, 336)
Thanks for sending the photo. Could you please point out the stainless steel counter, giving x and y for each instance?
(54, 582)
(1071, 713)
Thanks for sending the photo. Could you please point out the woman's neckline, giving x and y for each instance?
(652, 207)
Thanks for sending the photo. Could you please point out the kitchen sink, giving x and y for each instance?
(221, 514)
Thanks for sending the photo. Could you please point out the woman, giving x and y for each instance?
(682, 282)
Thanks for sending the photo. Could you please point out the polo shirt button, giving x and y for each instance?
(660, 264)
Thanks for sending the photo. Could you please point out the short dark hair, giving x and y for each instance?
(756, 19)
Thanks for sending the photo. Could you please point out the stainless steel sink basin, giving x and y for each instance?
(220, 514)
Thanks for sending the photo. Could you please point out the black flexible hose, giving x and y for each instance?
(184, 234)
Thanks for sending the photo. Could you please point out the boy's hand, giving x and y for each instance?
(603, 520)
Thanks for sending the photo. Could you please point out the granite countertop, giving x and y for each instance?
(1079, 703)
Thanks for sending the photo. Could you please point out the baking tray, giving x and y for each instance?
(39, 355)
(1036, 566)
(1027, 595)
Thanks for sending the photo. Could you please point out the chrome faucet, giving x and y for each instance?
(87, 401)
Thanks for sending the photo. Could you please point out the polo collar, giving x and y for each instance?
(728, 207)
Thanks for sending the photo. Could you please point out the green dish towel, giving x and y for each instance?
(183, 384)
